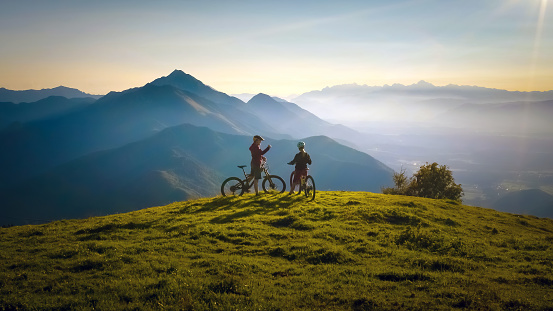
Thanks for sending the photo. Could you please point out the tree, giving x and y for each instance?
(431, 181)
(402, 182)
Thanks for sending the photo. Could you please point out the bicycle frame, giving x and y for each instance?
(306, 185)
(247, 185)
(236, 185)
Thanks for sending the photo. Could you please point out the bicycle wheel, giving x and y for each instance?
(232, 186)
(310, 188)
(273, 183)
(292, 180)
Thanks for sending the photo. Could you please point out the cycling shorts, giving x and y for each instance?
(299, 173)
(256, 172)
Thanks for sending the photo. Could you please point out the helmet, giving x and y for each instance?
(258, 137)
(301, 144)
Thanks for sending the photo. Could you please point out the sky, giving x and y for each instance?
(280, 48)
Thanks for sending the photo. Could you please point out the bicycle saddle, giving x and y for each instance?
(242, 166)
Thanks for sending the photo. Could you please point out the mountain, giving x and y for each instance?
(49, 107)
(119, 118)
(186, 82)
(290, 119)
(277, 116)
(178, 163)
(343, 251)
(28, 96)
(287, 117)
(417, 103)
(529, 202)
(112, 121)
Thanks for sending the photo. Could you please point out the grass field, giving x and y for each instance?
(345, 251)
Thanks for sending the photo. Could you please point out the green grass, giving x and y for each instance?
(345, 251)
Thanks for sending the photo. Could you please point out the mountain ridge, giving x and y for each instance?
(21, 96)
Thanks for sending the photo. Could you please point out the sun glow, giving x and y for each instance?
(537, 39)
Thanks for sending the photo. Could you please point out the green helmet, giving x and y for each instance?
(301, 144)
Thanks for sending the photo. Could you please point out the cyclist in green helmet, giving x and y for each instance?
(301, 159)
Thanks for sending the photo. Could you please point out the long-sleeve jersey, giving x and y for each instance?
(301, 159)
(257, 154)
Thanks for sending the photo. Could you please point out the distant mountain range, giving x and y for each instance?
(28, 96)
(159, 143)
(428, 105)
(48, 107)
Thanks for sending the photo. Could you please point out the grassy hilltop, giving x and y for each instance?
(345, 251)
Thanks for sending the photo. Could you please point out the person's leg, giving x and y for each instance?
(256, 172)
(292, 187)
(256, 185)
(295, 181)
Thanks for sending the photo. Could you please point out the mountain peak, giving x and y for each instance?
(186, 82)
(179, 73)
(263, 100)
(179, 76)
(260, 97)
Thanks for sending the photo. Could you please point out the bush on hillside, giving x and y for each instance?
(430, 181)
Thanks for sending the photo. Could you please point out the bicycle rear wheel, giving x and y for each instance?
(292, 181)
(274, 184)
(232, 186)
(310, 188)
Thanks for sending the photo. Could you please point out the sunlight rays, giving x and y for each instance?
(534, 63)
(537, 41)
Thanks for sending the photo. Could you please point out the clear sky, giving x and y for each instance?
(276, 47)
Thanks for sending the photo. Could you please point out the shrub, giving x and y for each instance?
(431, 181)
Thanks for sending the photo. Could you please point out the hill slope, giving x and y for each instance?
(345, 251)
(178, 163)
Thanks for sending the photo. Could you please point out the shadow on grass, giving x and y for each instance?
(223, 219)
(102, 232)
(399, 277)
(249, 205)
(116, 226)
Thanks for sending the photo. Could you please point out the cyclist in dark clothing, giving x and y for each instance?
(301, 159)
(257, 158)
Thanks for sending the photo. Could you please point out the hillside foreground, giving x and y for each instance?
(344, 251)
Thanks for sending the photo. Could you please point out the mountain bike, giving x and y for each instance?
(236, 186)
(307, 185)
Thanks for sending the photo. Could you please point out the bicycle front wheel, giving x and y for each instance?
(273, 183)
(232, 186)
(310, 188)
